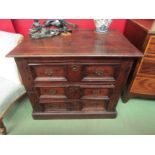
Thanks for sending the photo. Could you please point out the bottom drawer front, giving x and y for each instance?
(94, 105)
(77, 105)
(62, 106)
(144, 85)
(55, 106)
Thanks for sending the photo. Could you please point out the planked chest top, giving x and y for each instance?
(76, 76)
(80, 44)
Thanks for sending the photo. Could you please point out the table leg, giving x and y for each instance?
(2, 127)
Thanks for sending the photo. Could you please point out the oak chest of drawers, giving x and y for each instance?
(76, 76)
(142, 84)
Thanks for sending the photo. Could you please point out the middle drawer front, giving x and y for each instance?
(75, 72)
(83, 91)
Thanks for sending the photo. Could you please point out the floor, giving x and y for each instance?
(135, 117)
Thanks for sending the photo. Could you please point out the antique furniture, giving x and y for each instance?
(76, 76)
(141, 33)
(10, 86)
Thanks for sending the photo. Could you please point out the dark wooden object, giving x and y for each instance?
(76, 76)
(141, 33)
(2, 127)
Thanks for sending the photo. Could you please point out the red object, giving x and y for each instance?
(118, 24)
(6, 25)
(22, 25)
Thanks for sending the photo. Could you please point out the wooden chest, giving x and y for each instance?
(142, 84)
(76, 76)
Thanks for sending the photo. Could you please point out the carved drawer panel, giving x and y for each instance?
(55, 106)
(147, 67)
(52, 92)
(86, 91)
(96, 91)
(144, 85)
(101, 72)
(73, 91)
(74, 105)
(83, 91)
(94, 105)
(60, 92)
(60, 105)
(48, 72)
(151, 46)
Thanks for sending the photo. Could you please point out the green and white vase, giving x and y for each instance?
(102, 25)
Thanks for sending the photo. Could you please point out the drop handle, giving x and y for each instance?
(49, 72)
(99, 73)
(74, 67)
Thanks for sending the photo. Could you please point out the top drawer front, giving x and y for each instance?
(151, 46)
(75, 72)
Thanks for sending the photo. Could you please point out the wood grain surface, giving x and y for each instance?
(76, 76)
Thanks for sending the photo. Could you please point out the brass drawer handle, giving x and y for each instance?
(74, 67)
(49, 72)
(52, 92)
(99, 73)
